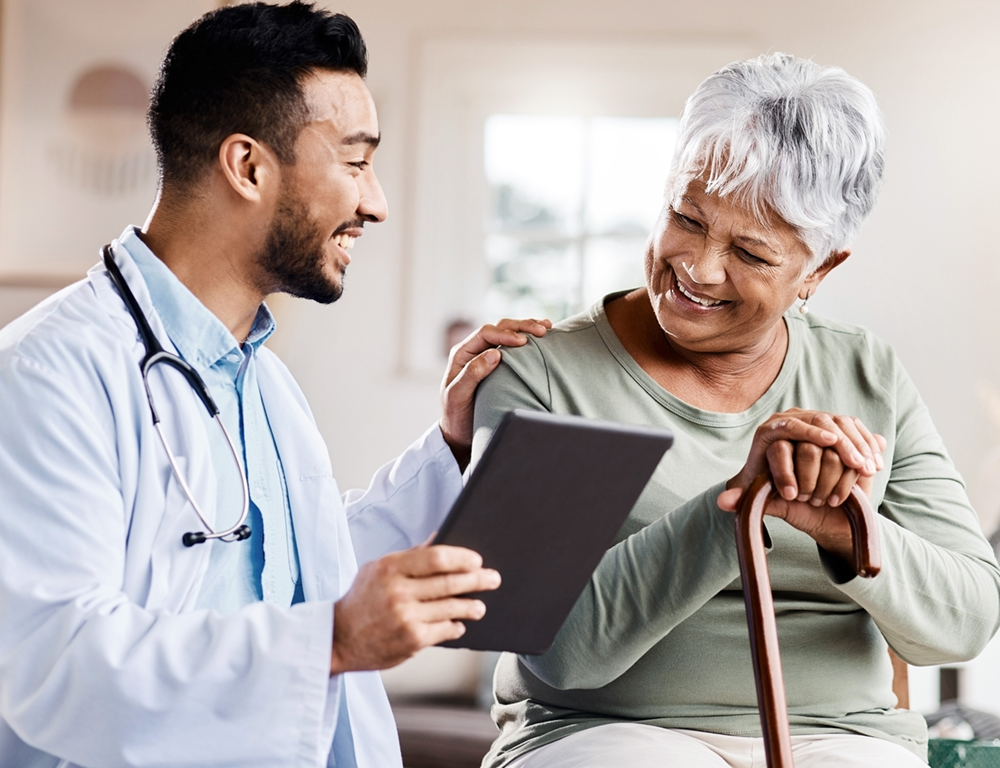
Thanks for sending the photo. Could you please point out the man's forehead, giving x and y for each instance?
(341, 101)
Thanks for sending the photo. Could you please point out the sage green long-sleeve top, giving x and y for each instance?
(659, 635)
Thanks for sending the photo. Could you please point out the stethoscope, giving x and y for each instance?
(155, 354)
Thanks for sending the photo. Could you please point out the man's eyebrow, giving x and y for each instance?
(361, 137)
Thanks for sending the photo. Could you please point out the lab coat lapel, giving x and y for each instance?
(175, 571)
(326, 558)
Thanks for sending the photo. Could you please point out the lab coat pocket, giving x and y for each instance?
(176, 570)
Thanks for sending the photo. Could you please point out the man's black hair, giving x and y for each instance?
(239, 69)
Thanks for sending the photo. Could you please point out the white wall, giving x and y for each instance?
(921, 275)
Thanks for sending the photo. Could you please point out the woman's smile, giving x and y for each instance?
(690, 299)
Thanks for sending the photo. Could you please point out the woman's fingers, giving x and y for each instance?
(780, 428)
(863, 441)
(856, 445)
(807, 473)
(808, 464)
(781, 462)
(833, 475)
(808, 454)
(842, 489)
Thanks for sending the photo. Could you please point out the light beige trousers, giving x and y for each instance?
(633, 745)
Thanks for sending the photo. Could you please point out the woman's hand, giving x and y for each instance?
(469, 363)
(814, 460)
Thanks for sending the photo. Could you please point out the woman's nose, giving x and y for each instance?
(705, 268)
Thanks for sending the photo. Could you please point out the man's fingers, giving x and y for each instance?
(466, 379)
(438, 559)
(527, 325)
(441, 631)
(449, 584)
(449, 609)
(458, 397)
(506, 333)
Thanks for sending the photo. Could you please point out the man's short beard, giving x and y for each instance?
(293, 255)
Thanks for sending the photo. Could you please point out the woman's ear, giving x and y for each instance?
(248, 166)
(816, 277)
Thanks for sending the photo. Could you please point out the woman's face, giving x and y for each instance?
(718, 280)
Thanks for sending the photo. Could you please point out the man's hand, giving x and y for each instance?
(404, 602)
(814, 460)
(468, 364)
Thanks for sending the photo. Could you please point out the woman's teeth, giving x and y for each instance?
(695, 299)
(344, 241)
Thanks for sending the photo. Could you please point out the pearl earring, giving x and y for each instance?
(804, 306)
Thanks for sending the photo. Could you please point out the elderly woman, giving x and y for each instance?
(779, 162)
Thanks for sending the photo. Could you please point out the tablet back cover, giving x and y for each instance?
(542, 507)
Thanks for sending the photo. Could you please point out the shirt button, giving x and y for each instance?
(233, 358)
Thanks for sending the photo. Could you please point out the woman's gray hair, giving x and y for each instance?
(784, 134)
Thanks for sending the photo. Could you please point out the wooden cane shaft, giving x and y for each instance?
(760, 603)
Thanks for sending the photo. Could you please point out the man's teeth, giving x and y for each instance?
(695, 299)
(344, 241)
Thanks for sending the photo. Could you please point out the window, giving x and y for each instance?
(538, 173)
(571, 203)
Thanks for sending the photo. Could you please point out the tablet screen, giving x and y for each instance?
(542, 507)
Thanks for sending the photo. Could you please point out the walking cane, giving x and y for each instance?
(867, 562)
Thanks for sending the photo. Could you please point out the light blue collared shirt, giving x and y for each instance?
(265, 566)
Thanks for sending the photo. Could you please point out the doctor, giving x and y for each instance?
(119, 644)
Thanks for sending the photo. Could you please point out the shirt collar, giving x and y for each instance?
(199, 336)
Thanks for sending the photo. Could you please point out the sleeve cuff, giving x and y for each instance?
(836, 568)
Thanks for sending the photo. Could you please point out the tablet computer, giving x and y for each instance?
(542, 507)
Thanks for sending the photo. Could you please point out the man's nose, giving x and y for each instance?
(372, 205)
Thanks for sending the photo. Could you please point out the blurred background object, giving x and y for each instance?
(75, 161)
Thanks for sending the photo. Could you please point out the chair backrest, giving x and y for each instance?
(900, 680)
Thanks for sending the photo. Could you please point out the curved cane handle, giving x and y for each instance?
(867, 561)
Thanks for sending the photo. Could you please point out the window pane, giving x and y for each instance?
(534, 171)
(629, 158)
(531, 279)
(612, 264)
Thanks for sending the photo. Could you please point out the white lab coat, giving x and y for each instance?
(103, 660)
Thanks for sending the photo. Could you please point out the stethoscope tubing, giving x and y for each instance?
(155, 355)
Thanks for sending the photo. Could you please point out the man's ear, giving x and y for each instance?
(817, 276)
(248, 166)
